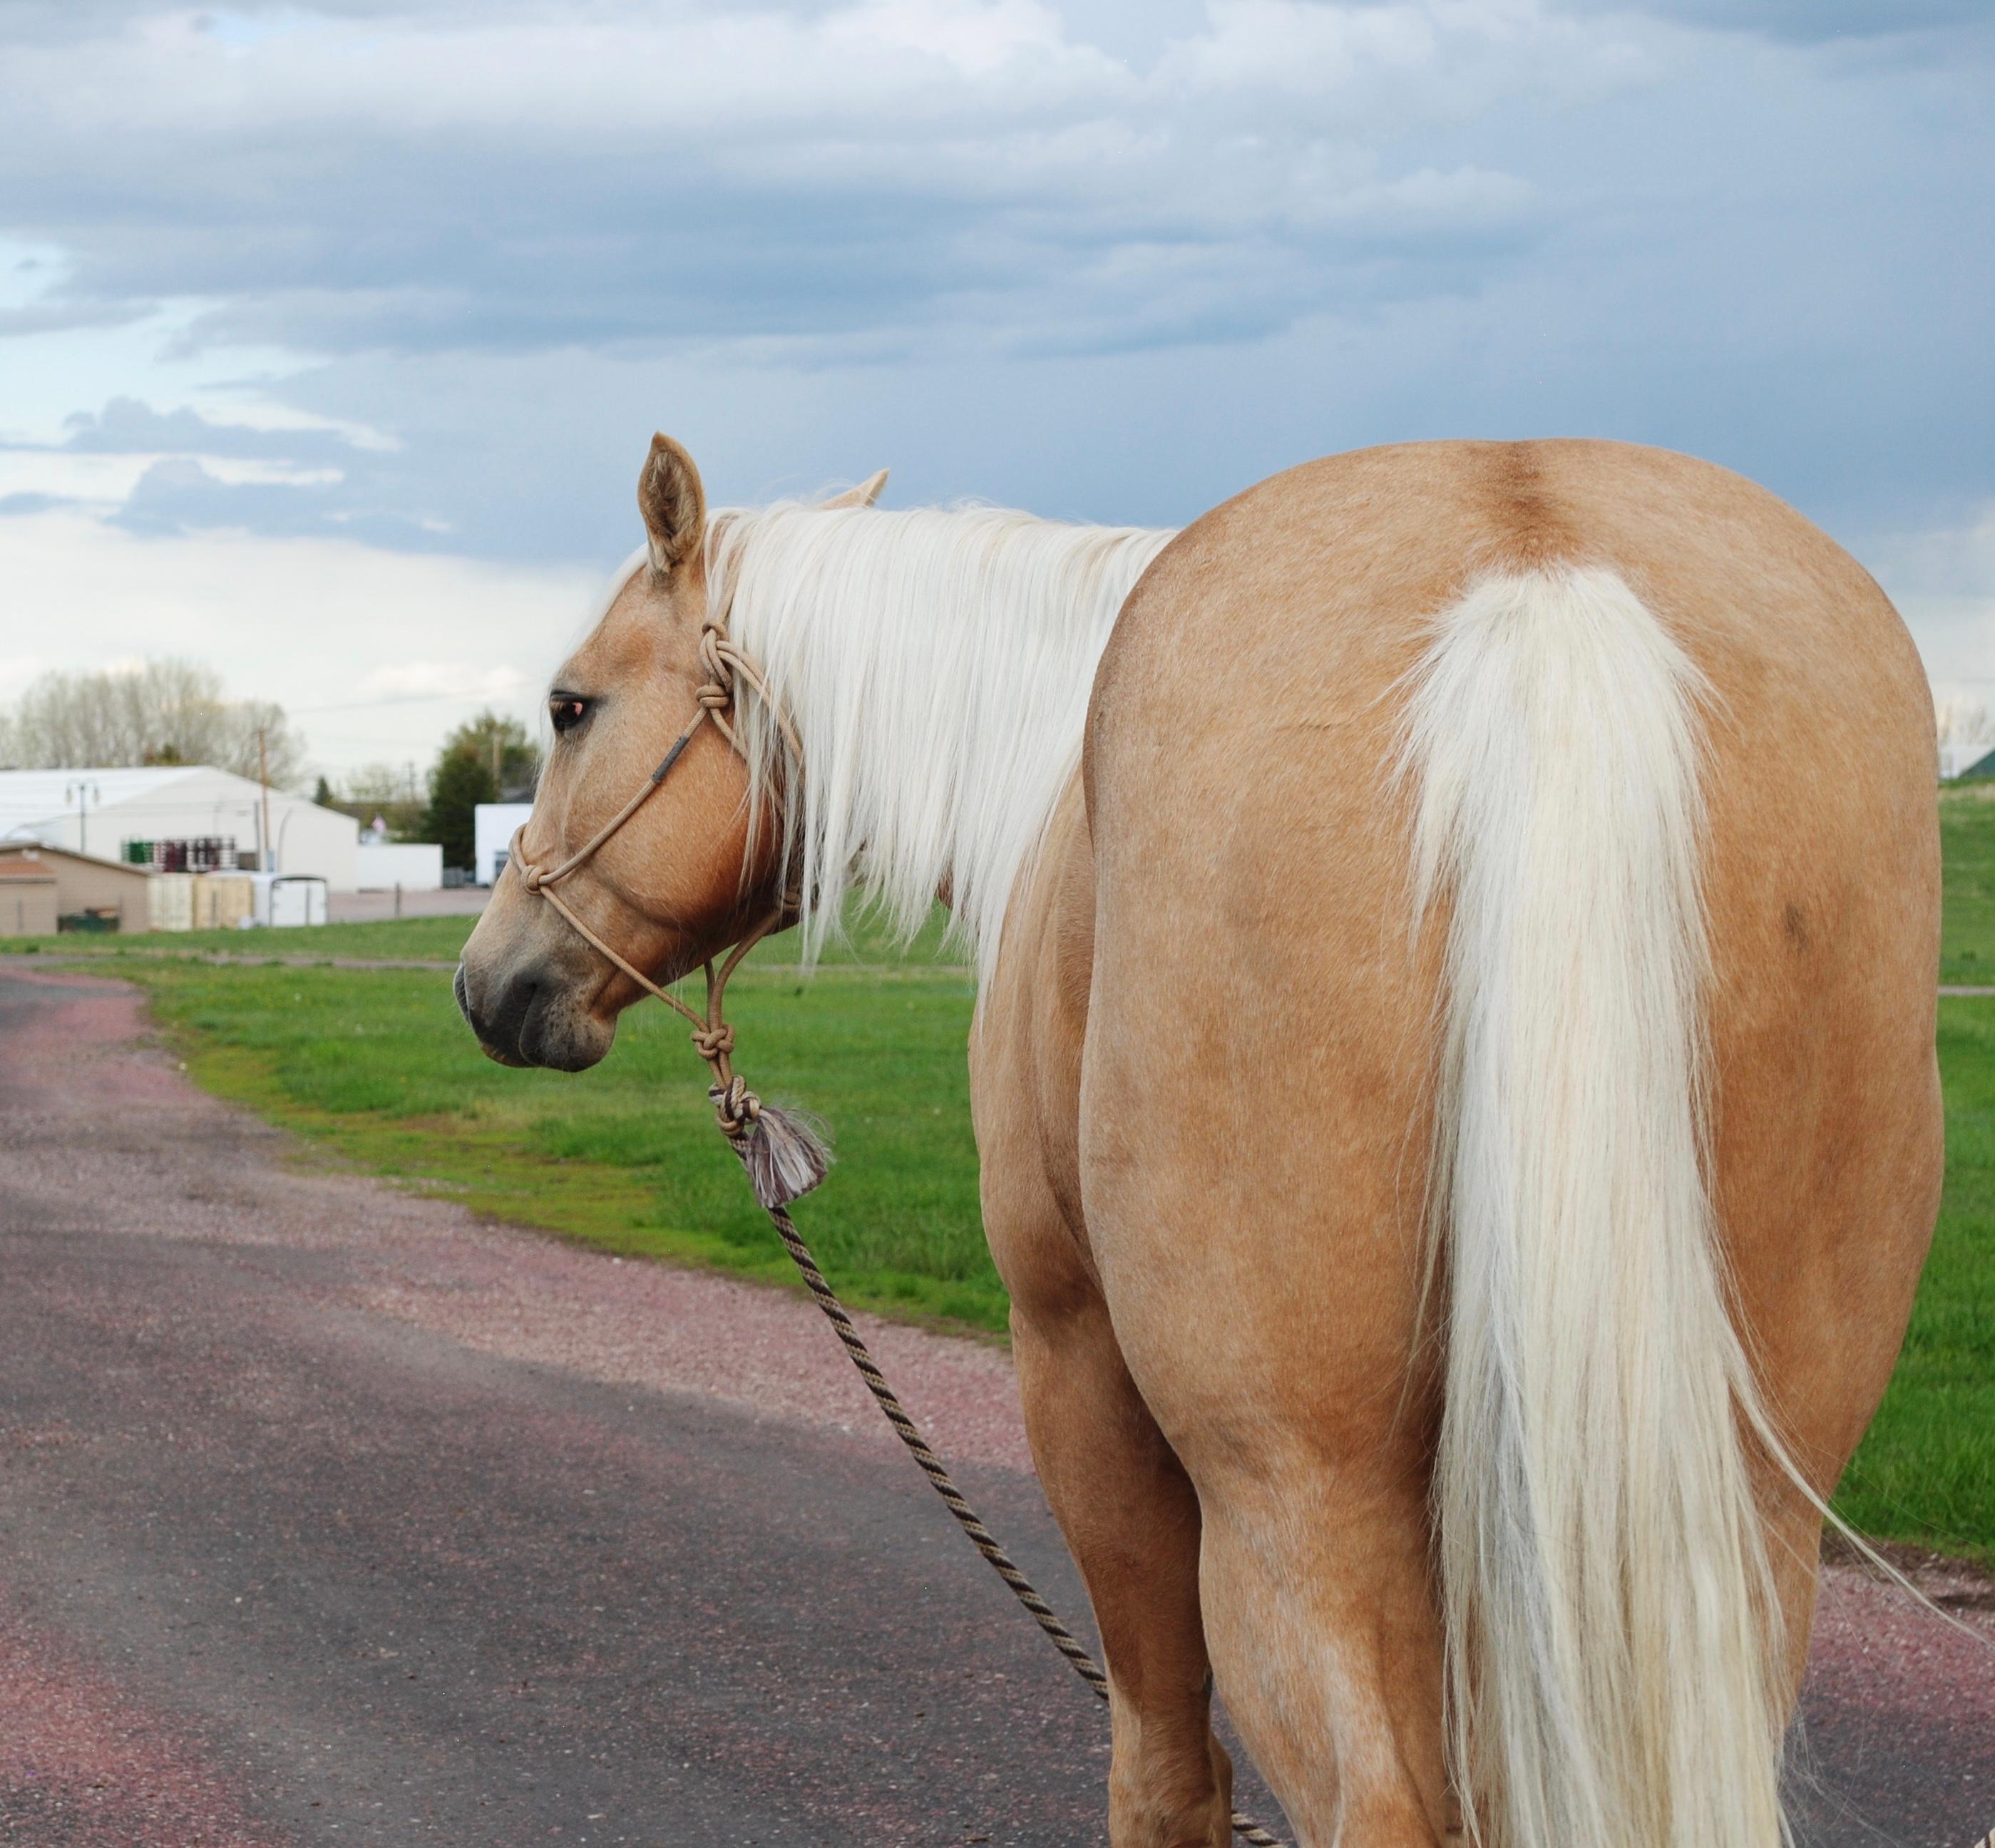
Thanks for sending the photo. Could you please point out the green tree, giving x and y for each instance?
(502, 746)
(487, 759)
(457, 785)
(322, 792)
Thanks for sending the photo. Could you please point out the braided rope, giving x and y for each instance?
(736, 1106)
(931, 1465)
(944, 1485)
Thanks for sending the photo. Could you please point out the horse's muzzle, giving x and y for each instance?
(528, 1016)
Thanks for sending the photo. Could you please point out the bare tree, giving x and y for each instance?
(166, 711)
(393, 792)
(1961, 723)
(381, 784)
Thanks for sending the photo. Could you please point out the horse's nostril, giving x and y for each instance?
(508, 1015)
(500, 1014)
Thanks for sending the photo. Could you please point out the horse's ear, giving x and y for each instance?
(865, 495)
(673, 504)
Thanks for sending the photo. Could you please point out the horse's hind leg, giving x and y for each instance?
(1131, 1520)
(1123, 1500)
(1319, 1614)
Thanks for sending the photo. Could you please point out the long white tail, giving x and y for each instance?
(1611, 1633)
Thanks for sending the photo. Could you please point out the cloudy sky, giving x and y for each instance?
(331, 336)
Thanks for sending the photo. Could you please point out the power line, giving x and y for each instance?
(355, 706)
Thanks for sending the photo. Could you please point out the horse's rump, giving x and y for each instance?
(1666, 777)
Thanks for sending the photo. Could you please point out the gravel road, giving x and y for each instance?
(328, 1515)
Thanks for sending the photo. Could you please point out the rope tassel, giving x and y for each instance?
(784, 1151)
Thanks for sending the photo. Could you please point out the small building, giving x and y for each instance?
(493, 825)
(29, 906)
(284, 899)
(410, 866)
(85, 885)
(183, 817)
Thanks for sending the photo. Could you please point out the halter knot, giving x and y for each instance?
(735, 1107)
(714, 1042)
(715, 654)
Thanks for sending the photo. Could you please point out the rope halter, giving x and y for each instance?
(785, 1157)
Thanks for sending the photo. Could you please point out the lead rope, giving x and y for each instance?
(785, 1158)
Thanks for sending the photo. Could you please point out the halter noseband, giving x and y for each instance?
(763, 1138)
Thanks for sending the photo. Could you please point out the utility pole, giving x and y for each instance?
(82, 793)
(263, 777)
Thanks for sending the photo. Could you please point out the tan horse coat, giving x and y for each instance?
(1205, 1074)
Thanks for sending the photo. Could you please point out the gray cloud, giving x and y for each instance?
(61, 315)
(1806, 21)
(178, 496)
(127, 426)
(1115, 261)
(791, 175)
(24, 503)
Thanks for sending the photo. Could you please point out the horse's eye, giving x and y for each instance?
(567, 712)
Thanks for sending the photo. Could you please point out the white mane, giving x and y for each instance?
(935, 664)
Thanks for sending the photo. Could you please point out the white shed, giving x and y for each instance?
(411, 866)
(103, 812)
(492, 827)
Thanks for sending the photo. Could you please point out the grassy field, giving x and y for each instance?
(373, 1066)
(428, 939)
(1926, 1472)
(1967, 846)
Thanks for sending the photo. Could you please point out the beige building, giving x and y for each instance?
(81, 882)
(27, 899)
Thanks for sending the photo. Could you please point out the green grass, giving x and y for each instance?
(1925, 1474)
(432, 940)
(374, 1067)
(1967, 850)
(436, 940)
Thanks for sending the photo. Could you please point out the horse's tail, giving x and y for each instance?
(1612, 1634)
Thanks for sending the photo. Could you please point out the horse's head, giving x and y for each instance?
(682, 878)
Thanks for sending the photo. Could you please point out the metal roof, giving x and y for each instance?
(15, 850)
(34, 799)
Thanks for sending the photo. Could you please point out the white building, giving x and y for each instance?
(1966, 759)
(493, 826)
(412, 866)
(102, 812)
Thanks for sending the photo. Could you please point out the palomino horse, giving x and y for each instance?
(1454, 1071)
